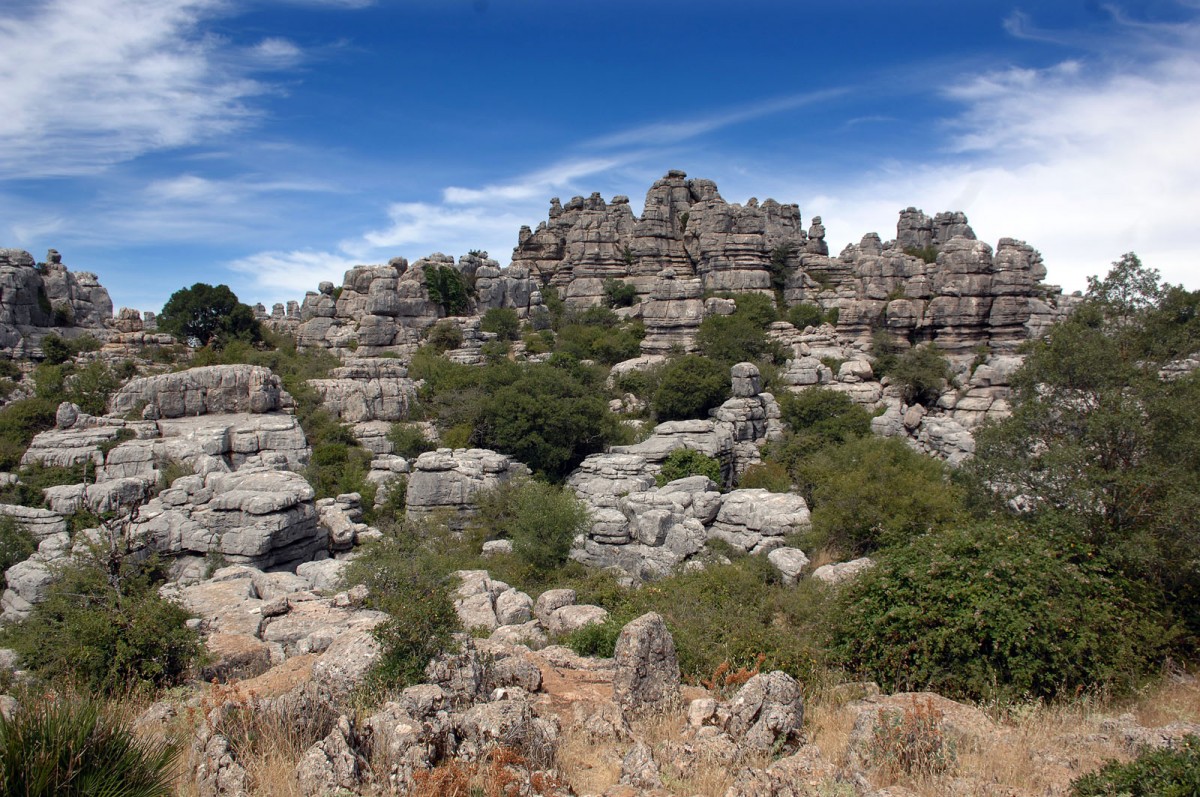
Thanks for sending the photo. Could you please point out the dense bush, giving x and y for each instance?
(409, 441)
(921, 372)
(872, 492)
(742, 336)
(16, 543)
(766, 476)
(19, 421)
(550, 418)
(1166, 772)
(684, 462)
(445, 335)
(104, 625)
(502, 321)
(66, 746)
(208, 316)
(406, 581)
(688, 387)
(597, 334)
(817, 418)
(447, 289)
(541, 520)
(994, 611)
(618, 293)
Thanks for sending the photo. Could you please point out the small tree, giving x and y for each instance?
(922, 372)
(447, 289)
(541, 520)
(503, 321)
(689, 387)
(204, 315)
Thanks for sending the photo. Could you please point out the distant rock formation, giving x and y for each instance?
(37, 298)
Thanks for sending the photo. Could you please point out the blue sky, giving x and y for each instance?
(272, 144)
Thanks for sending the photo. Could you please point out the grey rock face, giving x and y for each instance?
(767, 713)
(37, 298)
(647, 672)
(447, 480)
(367, 390)
(199, 391)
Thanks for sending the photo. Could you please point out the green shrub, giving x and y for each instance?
(607, 343)
(503, 321)
(825, 416)
(1167, 772)
(873, 492)
(66, 746)
(210, 316)
(19, 421)
(922, 372)
(767, 476)
(406, 582)
(992, 611)
(885, 352)
(805, 315)
(37, 477)
(618, 293)
(597, 639)
(688, 387)
(104, 625)
(684, 462)
(56, 350)
(541, 520)
(16, 543)
(447, 289)
(409, 441)
(926, 253)
(742, 336)
(445, 335)
(91, 386)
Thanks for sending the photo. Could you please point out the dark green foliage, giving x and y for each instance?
(618, 293)
(922, 372)
(445, 335)
(885, 351)
(684, 462)
(503, 321)
(927, 253)
(872, 492)
(742, 336)
(541, 520)
(995, 611)
(688, 387)
(766, 476)
(56, 350)
(447, 289)
(64, 315)
(19, 422)
(1167, 772)
(204, 315)
(104, 625)
(598, 639)
(37, 477)
(1097, 436)
(816, 418)
(66, 746)
(547, 417)
(341, 467)
(406, 581)
(782, 265)
(16, 543)
(599, 334)
(409, 441)
(806, 315)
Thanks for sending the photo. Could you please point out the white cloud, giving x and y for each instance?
(537, 185)
(284, 276)
(88, 83)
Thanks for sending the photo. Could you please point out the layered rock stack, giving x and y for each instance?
(37, 298)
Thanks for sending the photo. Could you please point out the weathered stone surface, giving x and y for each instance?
(842, 571)
(447, 480)
(767, 713)
(647, 672)
(212, 389)
(790, 562)
(39, 298)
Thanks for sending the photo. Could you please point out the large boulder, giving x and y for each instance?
(646, 679)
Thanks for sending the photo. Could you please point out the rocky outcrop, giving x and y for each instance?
(445, 481)
(646, 679)
(212, 389)
(37, 298)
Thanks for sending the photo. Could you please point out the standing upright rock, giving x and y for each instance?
(647, 672)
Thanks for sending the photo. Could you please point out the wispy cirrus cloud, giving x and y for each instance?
(85, 84)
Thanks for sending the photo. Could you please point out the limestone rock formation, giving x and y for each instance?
(446, 480)
(199, 391)
(647, 673)
(36, 298)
